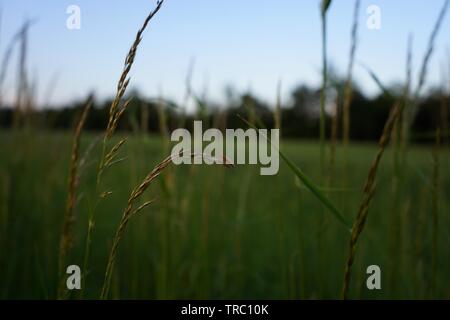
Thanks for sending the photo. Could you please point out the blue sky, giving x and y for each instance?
(249, 44)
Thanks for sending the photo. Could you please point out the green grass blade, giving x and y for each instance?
(377, 80)
(316, 191)
(308, 183)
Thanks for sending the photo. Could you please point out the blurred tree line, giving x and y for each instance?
(299, 114)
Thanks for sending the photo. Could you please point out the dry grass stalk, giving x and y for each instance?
(67, 236)
(6, 62)
(325, 5)
(348, 84)
(112, 154)
(115, 112)
(430, 48)
(131, 211)
(108, 159)
(368, 192)
(22, 77)
(412, 109)
(403, 122)
(348, 95)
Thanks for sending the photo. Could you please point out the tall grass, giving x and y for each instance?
(348, 82)
(108, 158)
(307, 182)
(325, 5)
(397, 218)
(67, 236)
(348, 93)
(7, 58)
(128, 213)
(22, 108)
(403, 127)
(368, 193)
(132, 209)
(411, 109)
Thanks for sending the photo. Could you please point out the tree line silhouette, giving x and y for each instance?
(299, 114)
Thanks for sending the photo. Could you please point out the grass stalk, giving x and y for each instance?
(412, 108)
(368, 193)
(116, 110)
(67, 236)
(130, 211)
(307, 182)
(403, 123)
(22, 76)
(348, 83)
(325, 5)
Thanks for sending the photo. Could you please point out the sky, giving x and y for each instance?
(245, 44)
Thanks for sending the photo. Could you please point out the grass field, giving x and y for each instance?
(137, 226)
(215, 232)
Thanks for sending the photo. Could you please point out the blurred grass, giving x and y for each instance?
(241, 235)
